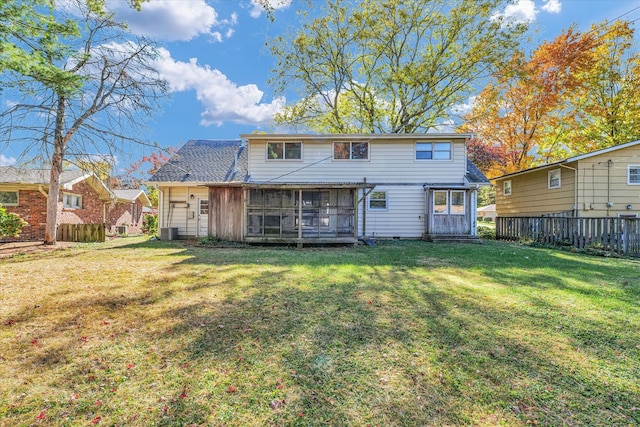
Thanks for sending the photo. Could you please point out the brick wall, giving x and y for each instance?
(33, 209)
(129, 214)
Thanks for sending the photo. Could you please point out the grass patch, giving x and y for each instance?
(133, 332)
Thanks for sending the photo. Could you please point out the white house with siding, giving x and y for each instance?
(321, 188)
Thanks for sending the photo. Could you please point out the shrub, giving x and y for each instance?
(150, 224)
(487, 233)
(10, 224)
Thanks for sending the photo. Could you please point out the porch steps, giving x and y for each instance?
(451, 238)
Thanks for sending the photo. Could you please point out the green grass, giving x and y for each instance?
(143, 333)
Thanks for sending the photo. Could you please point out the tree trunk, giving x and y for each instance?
(54, 179)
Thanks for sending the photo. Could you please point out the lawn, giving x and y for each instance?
(141, 333)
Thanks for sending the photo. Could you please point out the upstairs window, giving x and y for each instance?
(9, 198)
(72, 201)
(554, 178)
(633, 175)
(506, 188)
(351, 150)
(284, 150)
(433, 151)
(378, 200)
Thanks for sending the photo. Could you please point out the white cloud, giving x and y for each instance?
(526, 11)
(222, 99)
(552, 6)
(258, 7)
(172, 20)
(7, 161)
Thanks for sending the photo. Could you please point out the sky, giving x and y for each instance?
(214, 57)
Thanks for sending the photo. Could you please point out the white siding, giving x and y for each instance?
(404, 216)
(390, 161)
(183, 212)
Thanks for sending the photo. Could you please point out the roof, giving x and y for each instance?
(132, 196)
(206, 161)
(475, 175)
(355, 136)
(572, 159)
(487, 208)
(13, 175)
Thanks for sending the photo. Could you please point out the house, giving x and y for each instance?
(488, 211)
(284, 188)
(603, 183)
(84, 199)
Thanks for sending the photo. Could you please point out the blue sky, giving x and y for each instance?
(214, 57)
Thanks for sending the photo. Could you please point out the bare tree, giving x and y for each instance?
(108, 90)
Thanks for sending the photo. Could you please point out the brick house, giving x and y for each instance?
(83, 199)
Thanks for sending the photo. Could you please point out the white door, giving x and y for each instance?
(203, 218)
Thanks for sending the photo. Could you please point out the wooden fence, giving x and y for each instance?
(615, 235)
(81, 232)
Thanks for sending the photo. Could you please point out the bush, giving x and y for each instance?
(10, 224)
(486, 233)
(487, 219)
(150, 224)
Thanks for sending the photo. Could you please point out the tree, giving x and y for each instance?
(10, 224)
(574, 94)
(90, 89)
(388, 65)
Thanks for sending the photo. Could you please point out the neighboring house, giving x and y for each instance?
(125, 214)
(488, 211)
(321, 188)
(603, 183)
(83, 199)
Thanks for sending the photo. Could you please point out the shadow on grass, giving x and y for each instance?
(404, 334)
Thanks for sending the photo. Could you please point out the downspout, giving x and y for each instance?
(575, 189)
(364, 208)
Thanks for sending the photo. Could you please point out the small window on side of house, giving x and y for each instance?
(9, 198)
(554, 178)
(433, 151)
(506, 188)
(350, 150)
(72, 201)
(378, 200)
(633, 175)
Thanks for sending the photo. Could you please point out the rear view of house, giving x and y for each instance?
(320, 188)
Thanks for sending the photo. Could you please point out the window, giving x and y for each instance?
(72, 201)
(433, 151)
(457, 203)
(440, 202)
(9, 198)
(633, 175)
(351, 151)
(378, 200)
(506, 188)
(449, 202)
(284, 150)
(554, 178)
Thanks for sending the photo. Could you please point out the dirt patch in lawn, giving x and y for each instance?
(10, 249)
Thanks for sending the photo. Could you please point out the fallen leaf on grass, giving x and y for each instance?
(40, 416)
(96, 420)
(231, 389)
(277, 404)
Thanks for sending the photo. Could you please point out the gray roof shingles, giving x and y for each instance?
(206, 161)
(475, 175)
(13, 175)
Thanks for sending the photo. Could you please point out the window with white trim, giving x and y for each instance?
(554, 178)
(433, 151)
(350, 150)
(72, 201)
(378, 200)
(457, 205)
(284, 150)
(506, 188)
(9, 198)
(440, 202)
(633, 174)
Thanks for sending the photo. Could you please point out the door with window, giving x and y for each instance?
(447, 212)
(202, 225)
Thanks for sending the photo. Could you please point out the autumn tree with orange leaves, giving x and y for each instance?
(573, 95)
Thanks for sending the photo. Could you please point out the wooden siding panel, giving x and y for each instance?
(530, 194)
(226, 212)
(390, 161)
